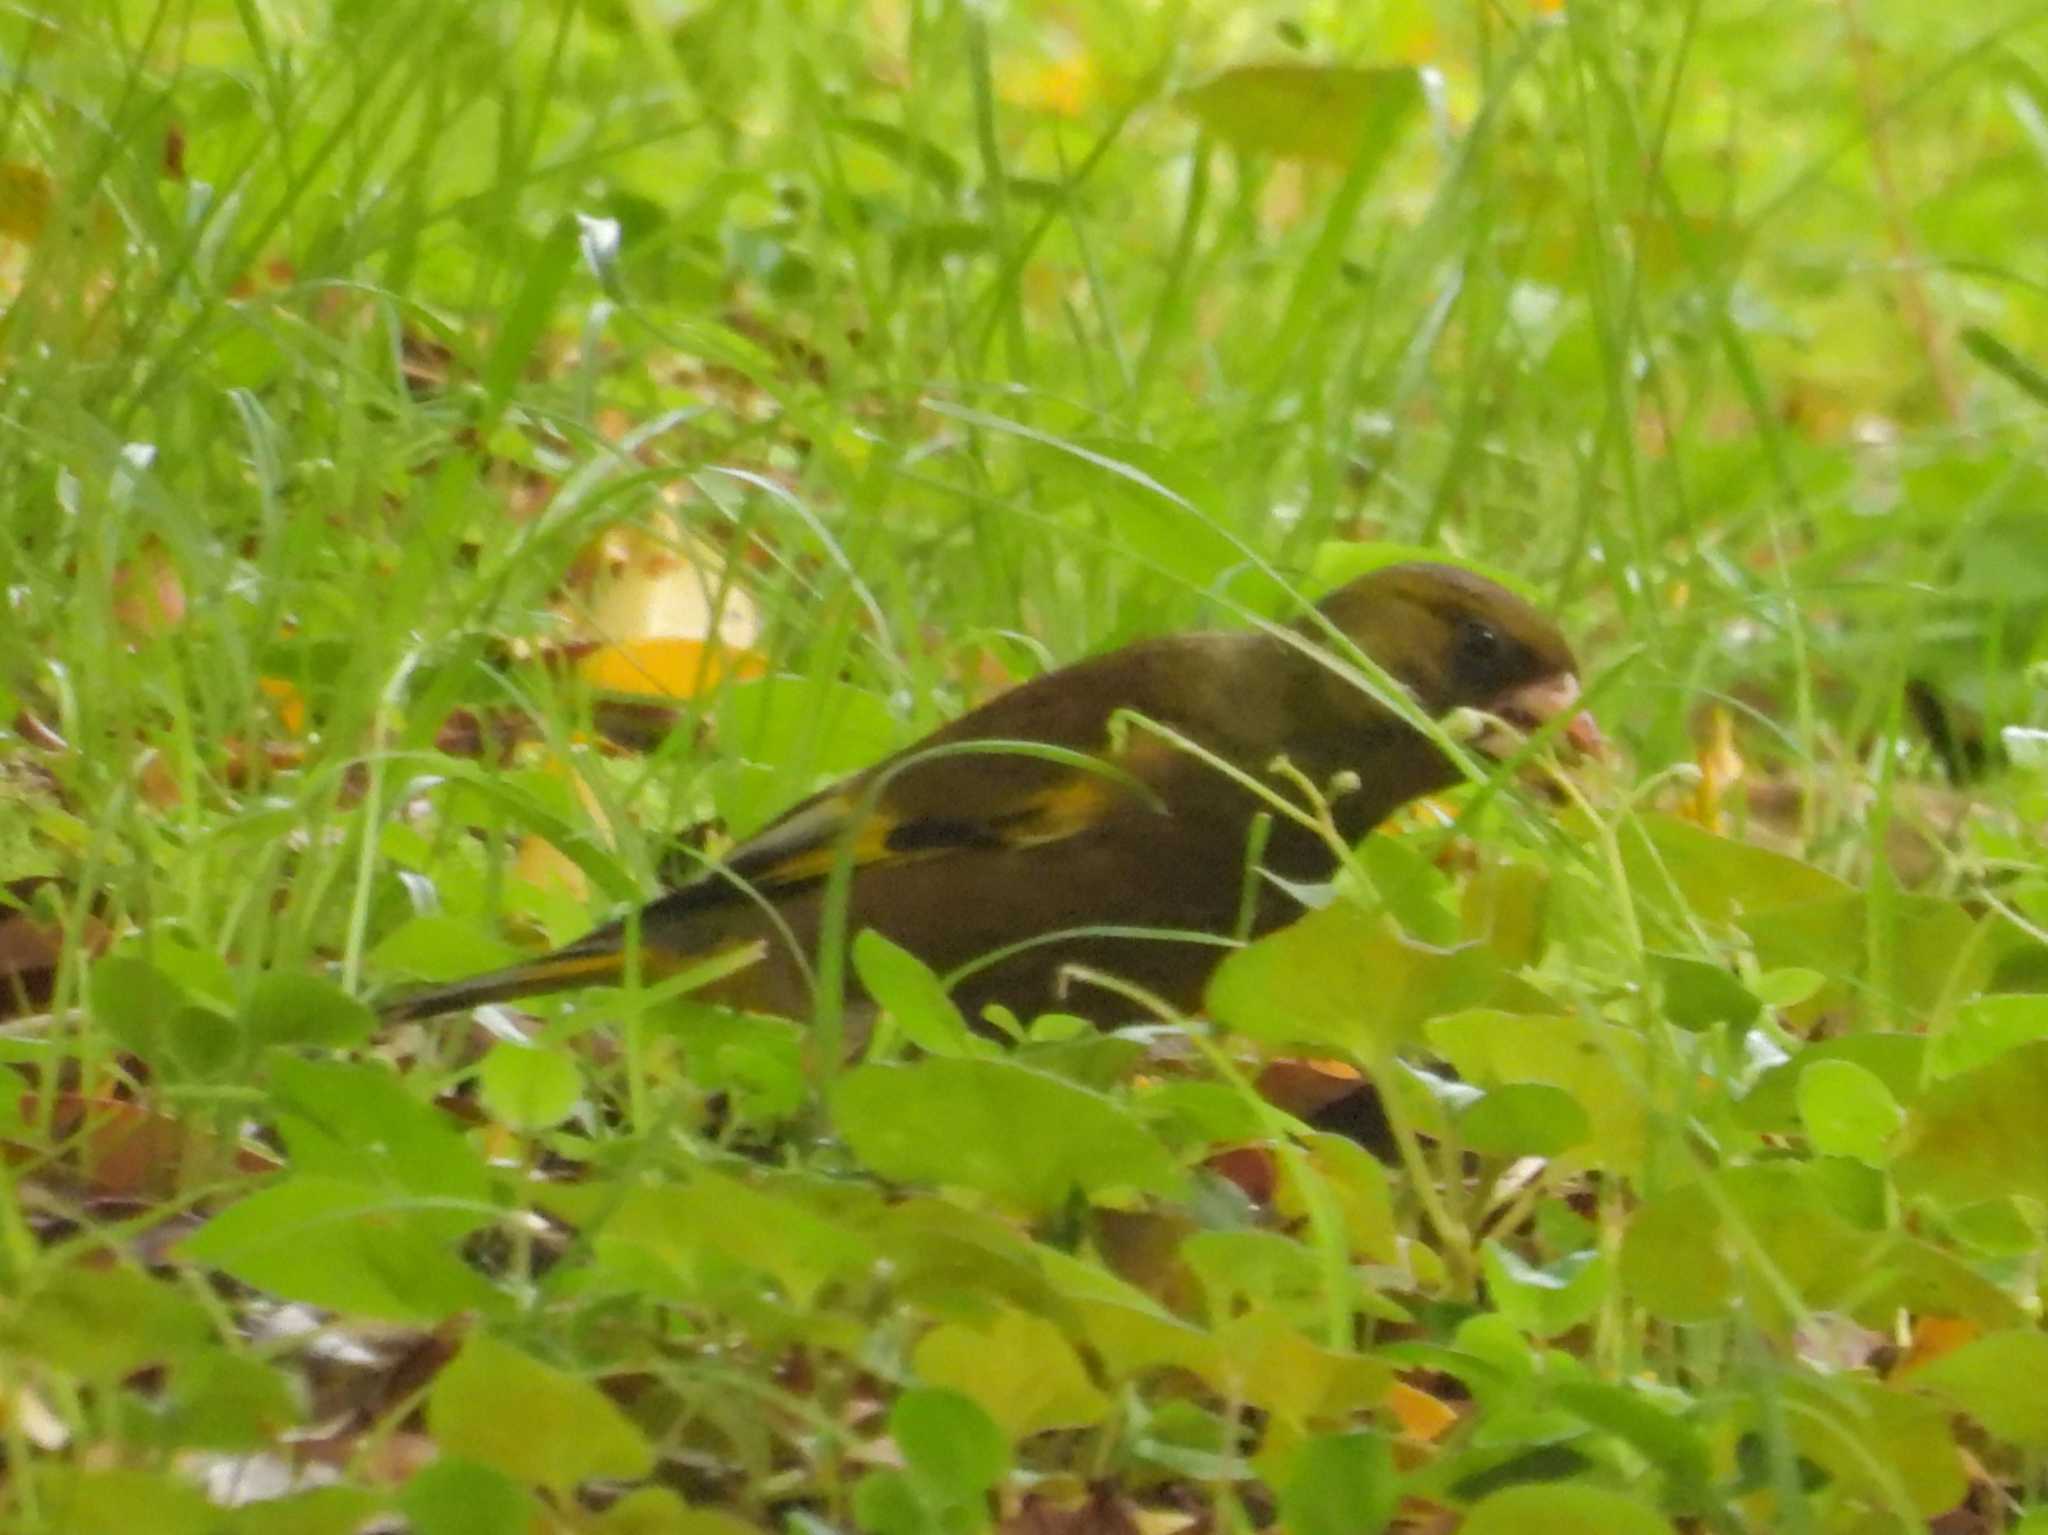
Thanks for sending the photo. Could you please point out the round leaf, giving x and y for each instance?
(992, 1125)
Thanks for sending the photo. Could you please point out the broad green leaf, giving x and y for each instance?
(1997, 1380)
(1675, 1446)
(1772, 1104)
(452, 1496)
(1328, 113)
(1848, 1111)
(1520, 1119)
(658, 1511)
(1358, 1182)
(1340, 1484)
(337, 1510)
(1878, 1440)
(1344, 979)
(1602, 1067)
(1698, 995)
(715, 1217)
(284, 1008)
(1548, 1300)
(360, 1124)
(1563, 1508)
(1674, 1258)
(71, 1499)
(1020, 1369)
(1716, 878)
(530, 1421)
(1984, 1029)
(951, 1446)
(1271, 1364)
(357, 1250)
(103, 1323)
(438, 948)
(1933, 953)
(997, 1127)
(527, 1087)
(887, 1503)
(228, 1402)
(1981, 1134)
(1242, 1270)
(915, 998)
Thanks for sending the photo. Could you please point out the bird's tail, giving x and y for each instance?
(597, 960)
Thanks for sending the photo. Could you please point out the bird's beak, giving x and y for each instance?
(1535, 704)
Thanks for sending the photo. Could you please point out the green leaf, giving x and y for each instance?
(438, 948)
(887, 1503)
(336, 1510)
(530, 1421)
(1344, 979)
(1878, 1441)
(229, 1402)
(1000, 1128)
(1997, 1380)
(1548, 1300)
(451, 1496)
(75, 1500)
(1674, 1259)
(1772, 1104)
(1021, 1369)
(1562, 1508)
(1341, 1484)
(358, 1123)
(716, 1217)
(350, 1248)
(104, 1323)
(1716, 878)
(1601, 1066)
(953, 1448)
(1981, 1134)
(1926, 938)
(284, 1008)
(1984, 1029)
(1329, 113)
(1676, 1447)
(1698, 995)
(527, 1088)
(1524, 1119)
(914, 997)
(1848, 1111)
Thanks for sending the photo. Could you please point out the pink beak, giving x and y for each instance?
(1534, 704)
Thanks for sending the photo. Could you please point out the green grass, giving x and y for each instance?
(973, 345)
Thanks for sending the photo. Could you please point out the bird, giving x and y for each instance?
(1104, 815)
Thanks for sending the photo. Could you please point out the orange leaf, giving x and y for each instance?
(1934, 1336)
(1420, 1415)
(287, 700)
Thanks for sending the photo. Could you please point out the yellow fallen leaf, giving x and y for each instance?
(668, 666)
(1420, 1415)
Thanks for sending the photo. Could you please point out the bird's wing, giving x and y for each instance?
(1038, 764)
(973, 795)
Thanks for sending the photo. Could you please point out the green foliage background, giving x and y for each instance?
(996, 335)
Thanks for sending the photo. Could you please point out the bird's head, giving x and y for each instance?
(1457, 640)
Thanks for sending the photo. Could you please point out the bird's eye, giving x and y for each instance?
(1479, 649)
